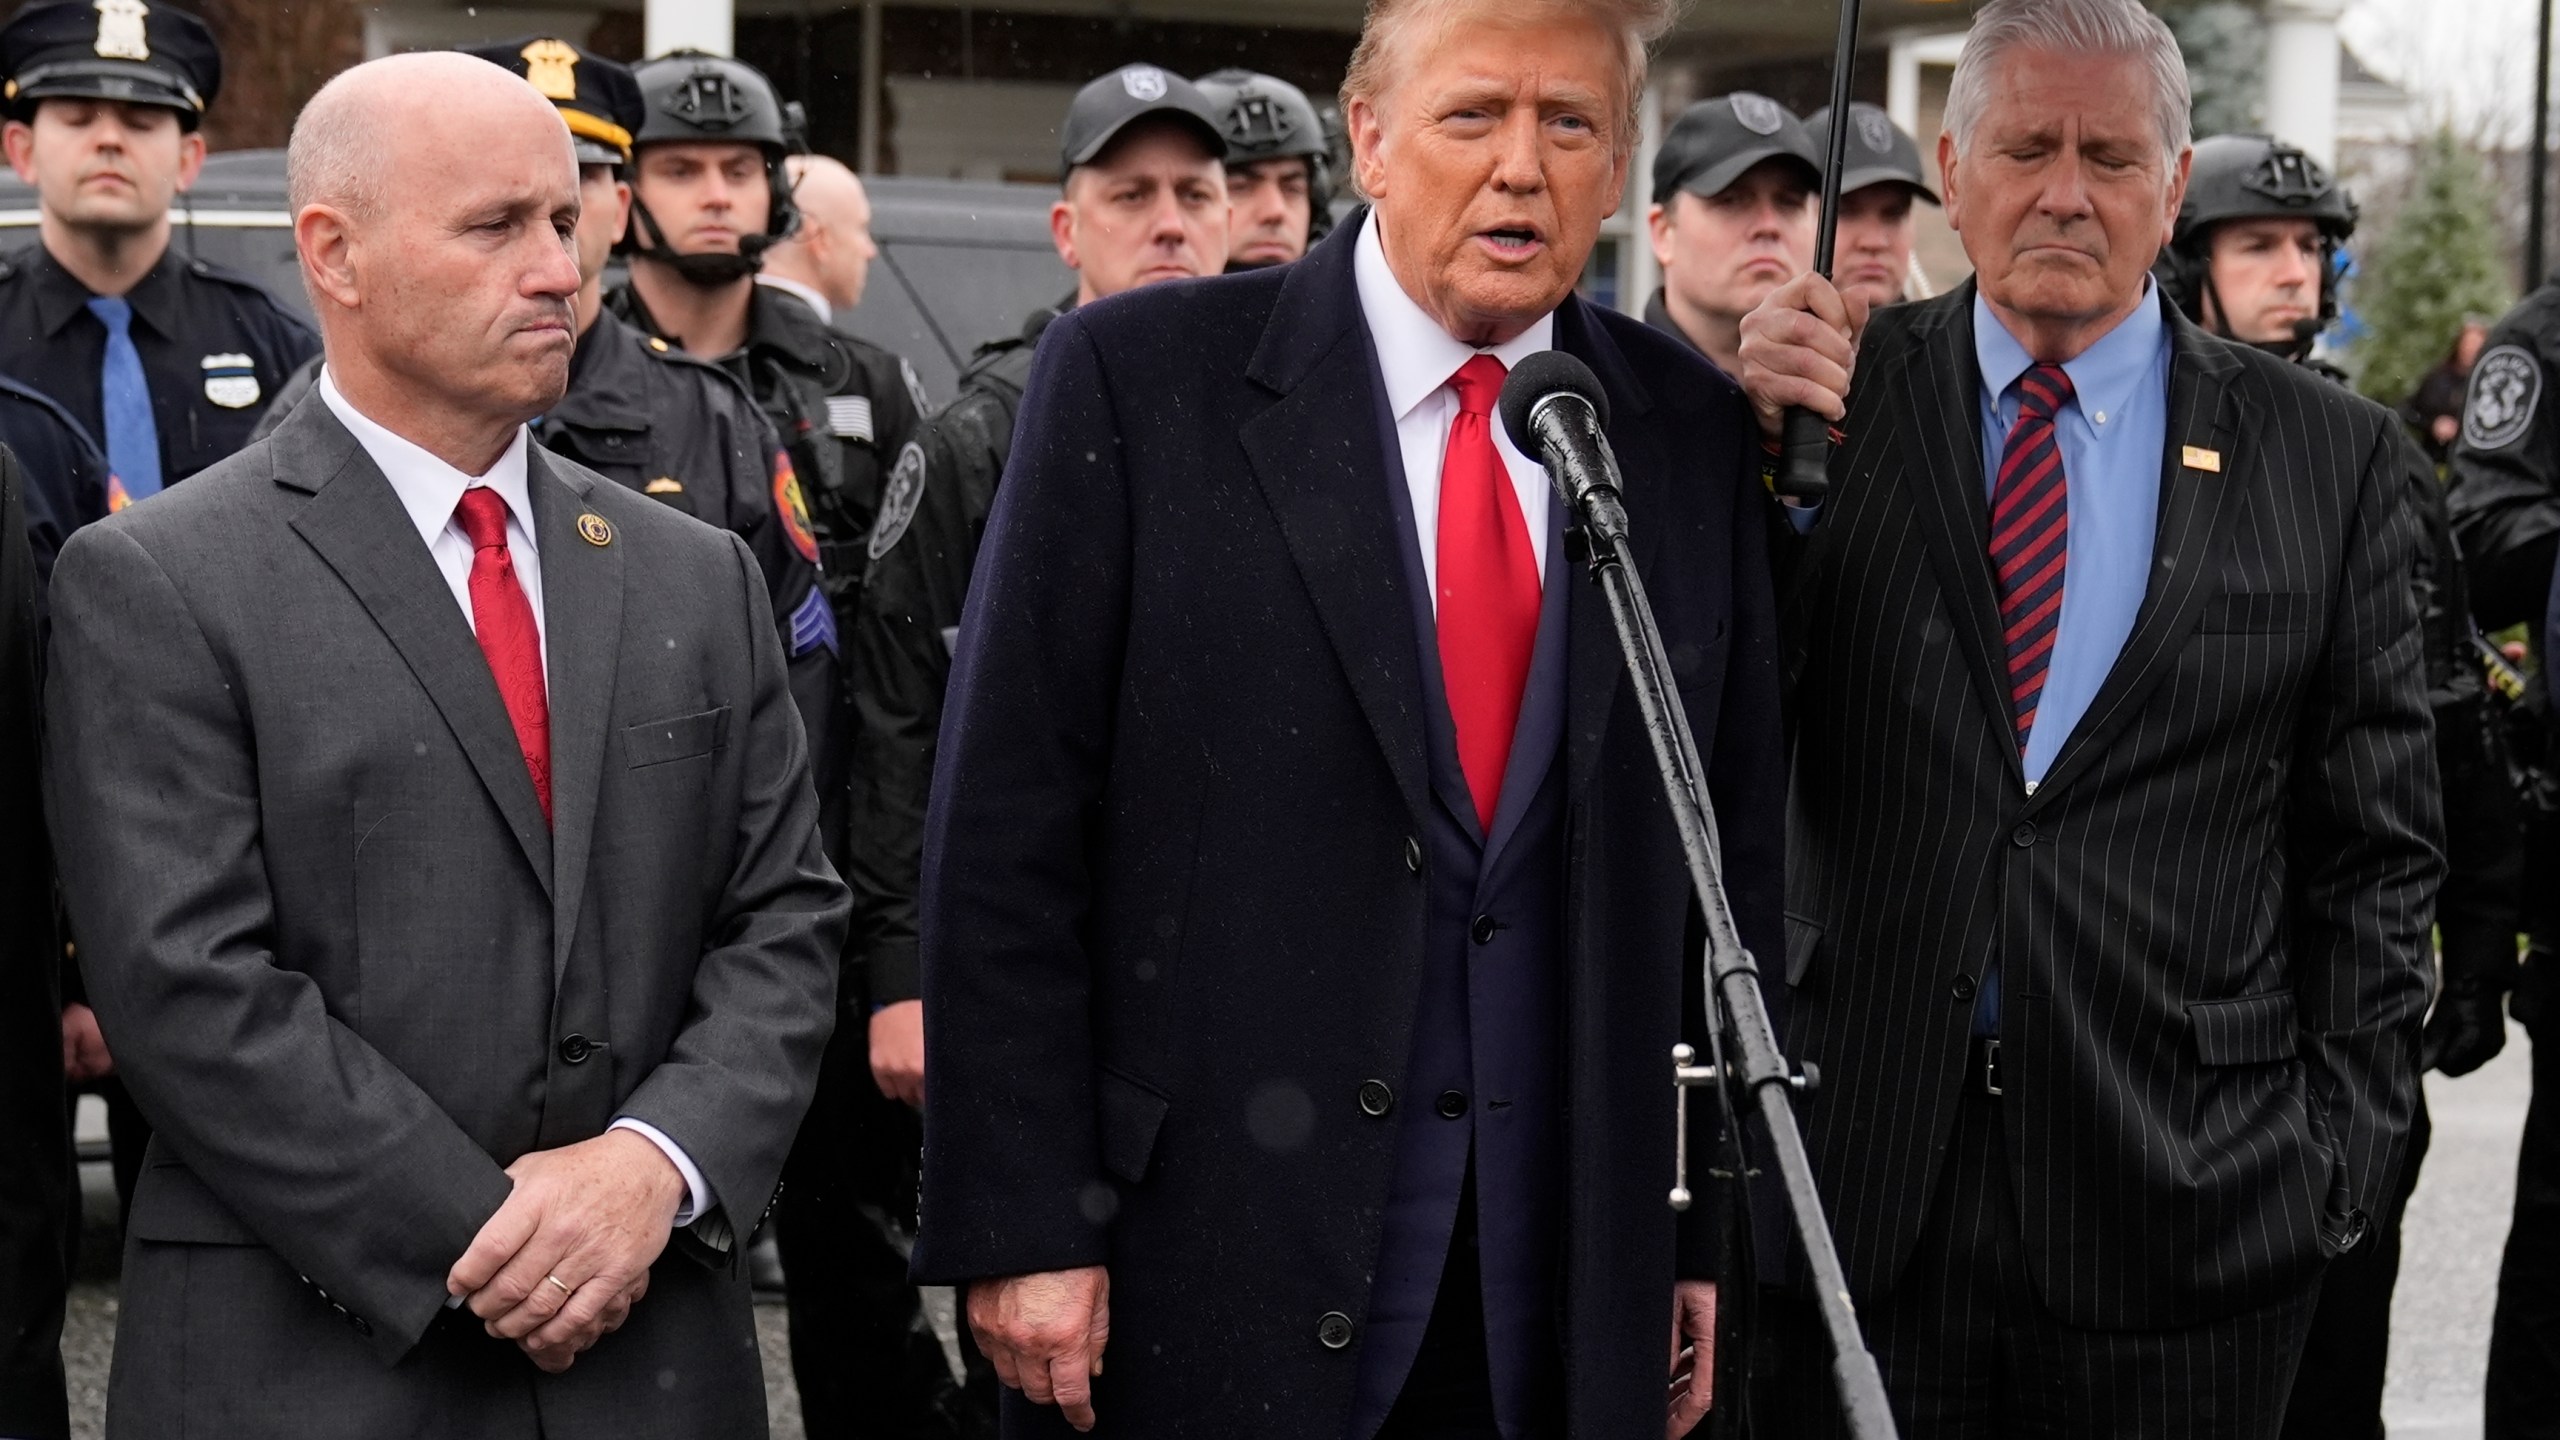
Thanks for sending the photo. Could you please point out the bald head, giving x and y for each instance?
(435, 197)
(832, 251)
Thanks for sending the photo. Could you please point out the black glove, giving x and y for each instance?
(2466, 1031)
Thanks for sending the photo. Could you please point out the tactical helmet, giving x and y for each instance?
(693, 95)
(2254, 177)
(1263, 117)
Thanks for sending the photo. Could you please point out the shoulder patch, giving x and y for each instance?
(898, 502)
(2506, 389)
(792, 508)
(849, 416)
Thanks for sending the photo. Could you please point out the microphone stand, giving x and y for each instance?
(1730, 973)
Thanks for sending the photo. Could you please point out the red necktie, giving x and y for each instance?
(2031, 538)
(504, 620)
(1488, 578)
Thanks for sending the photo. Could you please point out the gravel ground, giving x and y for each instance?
(2448, 1278)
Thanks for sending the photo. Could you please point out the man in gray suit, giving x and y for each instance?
(438, 829)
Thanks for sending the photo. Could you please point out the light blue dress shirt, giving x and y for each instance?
(2112, 432)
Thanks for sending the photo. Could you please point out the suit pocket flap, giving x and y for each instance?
(171, 1204)
(1804, 940)
(2258, 612)
(1130, 1116)
(656, 742)
(2248, 1030)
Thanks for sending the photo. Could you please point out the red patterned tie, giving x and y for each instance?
(504, 620)
(1488, 577)
(2031, 538)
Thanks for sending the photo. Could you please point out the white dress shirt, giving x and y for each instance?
(808, 294)
(1416, 359)
(431, 491)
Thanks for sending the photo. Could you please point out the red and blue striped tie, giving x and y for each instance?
(2031, 537)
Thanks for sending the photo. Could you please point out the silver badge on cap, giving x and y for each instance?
(1757, 113)
(1876, 131)
(1145, 83)
(121, 31)
(231, 381)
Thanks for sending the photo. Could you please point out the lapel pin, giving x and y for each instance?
(2199, 458)
(593, 530)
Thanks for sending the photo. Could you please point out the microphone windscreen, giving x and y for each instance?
(1538, 377)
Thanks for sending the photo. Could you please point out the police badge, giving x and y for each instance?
(2506, 386)
(1145, 83)
(1757, 113)
(231, 381)
(1875, 130)
(123, 32)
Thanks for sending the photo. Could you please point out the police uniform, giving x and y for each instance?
(846, 417)
(2505, 507)
(59, 460)
(209, 343)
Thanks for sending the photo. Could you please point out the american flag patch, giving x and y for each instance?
(813, 625)
(849, 416)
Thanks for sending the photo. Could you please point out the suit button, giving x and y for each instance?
(1333, 1332)
(363, 1327)
(575, 1049)
(2023, 836)
(1376, 1098)
(1453, 1104)
(1483, 929)
(1963, 988)
(1413, 855)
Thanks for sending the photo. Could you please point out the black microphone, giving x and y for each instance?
(1553, 408)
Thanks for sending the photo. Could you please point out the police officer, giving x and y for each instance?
(162, 360)
(165, 360)
(2251, 259)
(709, 197)
(1144, 199)
(52, 445)
(2505, 504)
(1279, 167)
(1732, 218)
(1880, 185)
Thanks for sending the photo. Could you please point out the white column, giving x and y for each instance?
(691, 25)
(2302, 75)
(871, 81)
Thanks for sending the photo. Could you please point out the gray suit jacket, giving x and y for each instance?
(349, 973)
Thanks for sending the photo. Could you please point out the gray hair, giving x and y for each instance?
(2073, 27)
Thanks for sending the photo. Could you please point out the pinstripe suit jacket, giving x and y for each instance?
(2212, 915)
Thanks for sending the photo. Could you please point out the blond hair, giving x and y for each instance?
(1388, 22)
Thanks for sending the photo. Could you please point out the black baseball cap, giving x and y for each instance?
(598, 98)
(1107, 106)
(1880, 152)
(122, 50)
(1715, 141)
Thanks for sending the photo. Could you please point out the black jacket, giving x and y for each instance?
(2211, 916)
(1175, 897)
(920, 554)
(35, 1144)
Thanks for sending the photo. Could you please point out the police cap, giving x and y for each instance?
(1880, 152)
(122, 50)
(2255, 177)
(1107, 106)
(1715, 141)
(597, 97)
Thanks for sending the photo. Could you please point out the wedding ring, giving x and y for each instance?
(554, 1279)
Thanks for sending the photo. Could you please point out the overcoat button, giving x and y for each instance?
(1376, 1098)
(1413, 855)
(576, 1048)
(1484, 929)
(1333, 1332)
(1453, 1104)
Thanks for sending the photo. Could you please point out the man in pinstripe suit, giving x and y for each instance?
(2114, 822)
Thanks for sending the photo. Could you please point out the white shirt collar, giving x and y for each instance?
(1415, 356)
(826, 308)
(428, 488)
